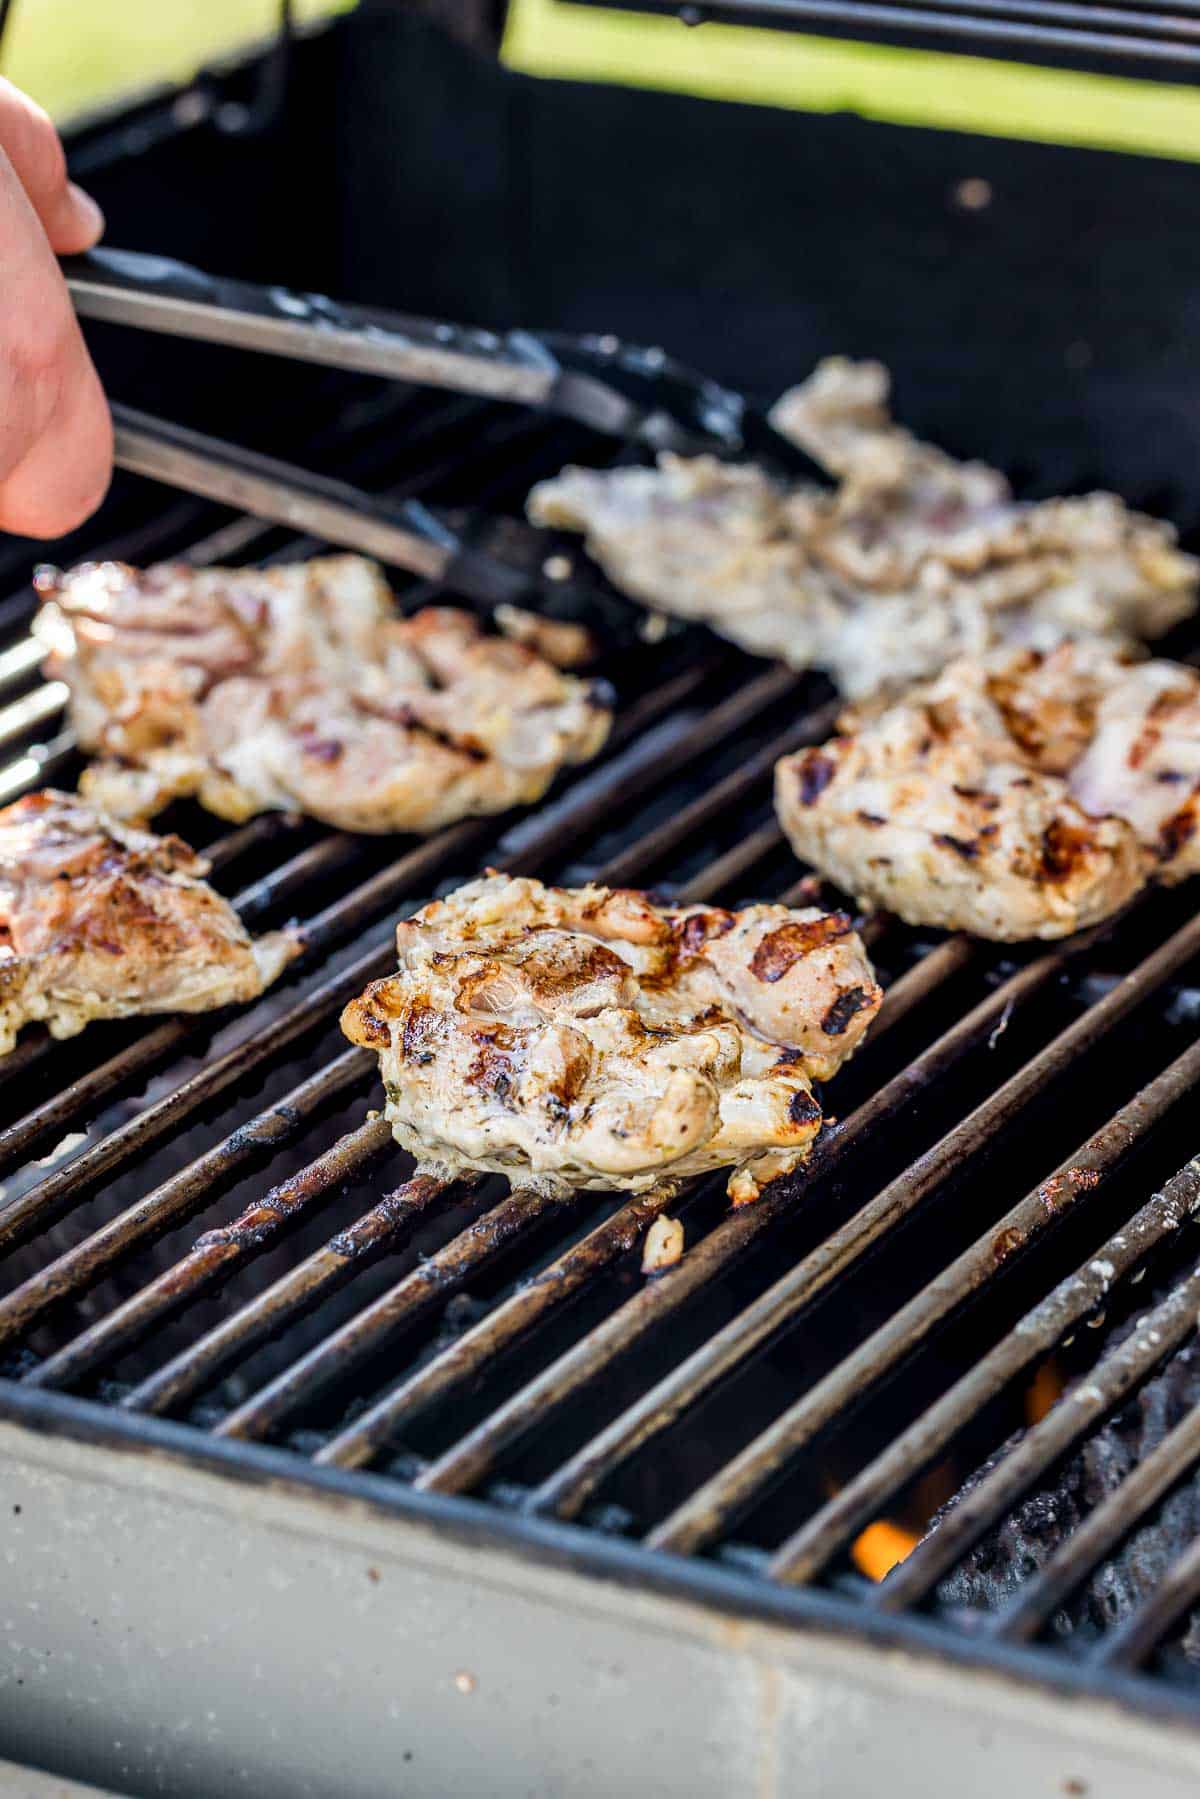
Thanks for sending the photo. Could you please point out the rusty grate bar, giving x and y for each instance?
(1134, 1640)
(616, 1236)
(1117, 1517)
(1080, 1410)
(179, 1197)
(810, 1549)
(217, 1255)
(710, 1510)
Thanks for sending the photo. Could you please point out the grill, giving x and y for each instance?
(220, 1270)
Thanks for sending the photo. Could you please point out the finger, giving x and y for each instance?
(55, 432)
(70, 218)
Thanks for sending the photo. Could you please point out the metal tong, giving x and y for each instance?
(618, 389)
(492, 562)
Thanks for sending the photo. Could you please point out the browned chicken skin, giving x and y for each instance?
(97, 921)
(298, 688)
(589, 1038)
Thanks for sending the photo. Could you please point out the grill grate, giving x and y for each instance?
(222, 1236)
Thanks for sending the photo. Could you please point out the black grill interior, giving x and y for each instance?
(196, 1218)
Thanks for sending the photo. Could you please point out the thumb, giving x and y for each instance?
(71, 220)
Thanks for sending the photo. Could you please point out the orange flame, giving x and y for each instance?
(1043, 1391)
(880, 1547)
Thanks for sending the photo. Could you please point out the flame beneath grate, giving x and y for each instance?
(1043, 1392)
(884, 1544)
(879, 1548)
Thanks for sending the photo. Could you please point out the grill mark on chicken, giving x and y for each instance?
(324, 749)
(966, 847)
(299, 688)
(780, 949)
(593, 1039)
(844, 1009)
(492, 1068)
(988, 801)
(803, 1108)
(694, 931)
(97, 921)
(1176, 833)
(420, 1027)
(1064, 847)
(409, 720)
(814, 772)
(1021, 820)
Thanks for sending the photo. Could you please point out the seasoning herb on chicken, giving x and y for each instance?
(98, 921)
(1026, 795)
(299, 688)
(590, 1038)
(914, 559)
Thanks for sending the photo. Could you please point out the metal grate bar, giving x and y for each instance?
(40, 763)
(567, 1490)
(1112, 1522)
(724, 870)
(710, 1510)
(180, 1197)
(324, 1272)
(1080, 1410)
(215, 1256)
(617, 1235)
(30, 711)
(810, 1549)
(650, 850)
(331, 1266)
(330, 1360)
(1177, 1592)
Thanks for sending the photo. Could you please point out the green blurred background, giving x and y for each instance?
(73, 53)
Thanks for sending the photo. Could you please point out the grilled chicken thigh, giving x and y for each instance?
(914, 559)
(299, 689)
(1025, 796)
(589, 1038)
(97, 921)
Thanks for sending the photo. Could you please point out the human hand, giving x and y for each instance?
(55, 431)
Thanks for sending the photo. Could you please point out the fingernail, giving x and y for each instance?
(88, 213)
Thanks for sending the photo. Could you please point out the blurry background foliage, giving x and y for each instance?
(72, 54)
